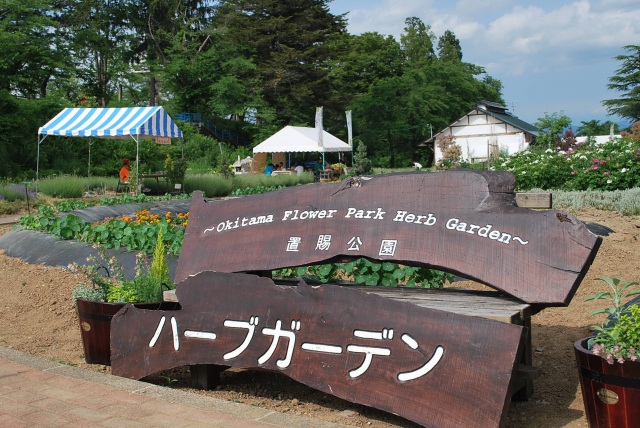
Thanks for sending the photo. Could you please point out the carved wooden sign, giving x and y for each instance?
(464, 222)
(433, 367)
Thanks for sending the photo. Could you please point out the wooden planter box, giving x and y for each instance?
(95, 326)
(611, 392)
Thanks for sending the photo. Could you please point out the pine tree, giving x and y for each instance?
(449, 47)
(361, 163)
(288, 40)
(626, 81)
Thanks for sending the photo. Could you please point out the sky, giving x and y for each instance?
(551, 56)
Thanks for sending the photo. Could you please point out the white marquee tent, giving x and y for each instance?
(131, 122)
(291, 139)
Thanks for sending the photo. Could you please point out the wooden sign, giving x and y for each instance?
(433, 367)
(163, 140)
(464, 222)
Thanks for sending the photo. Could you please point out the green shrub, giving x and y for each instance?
(68, 186)
(11, 195)
(211, 185)
(626, 202)
(614, 165)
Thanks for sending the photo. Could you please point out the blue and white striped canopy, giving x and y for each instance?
(133, 122)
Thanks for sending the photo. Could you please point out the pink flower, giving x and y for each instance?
(574, 172)
(609, 358)
(594, 160)
(621, 360)
(594, 167)
(607, 173)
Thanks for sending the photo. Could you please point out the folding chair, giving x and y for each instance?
(123, 187)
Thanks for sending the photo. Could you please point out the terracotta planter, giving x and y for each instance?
(95, 326)
(611, 392)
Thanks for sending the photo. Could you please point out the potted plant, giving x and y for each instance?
(608, 362)
(105, 291)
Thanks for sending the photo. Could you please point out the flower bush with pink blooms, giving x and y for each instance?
(614, 165)
(618, 339)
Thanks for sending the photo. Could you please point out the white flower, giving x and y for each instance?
(623, 170)
(583, 157)
(524, 172)
(609, 181)
(548, 151)
(562, 152)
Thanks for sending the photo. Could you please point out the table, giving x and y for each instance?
(158, 176)
(285, 172)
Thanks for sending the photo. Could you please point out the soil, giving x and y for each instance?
(39, 318)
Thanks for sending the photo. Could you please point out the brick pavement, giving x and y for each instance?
(38, 393)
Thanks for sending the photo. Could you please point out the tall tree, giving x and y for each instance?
(170, 32)
(397, 114)
(417, 42)
(288, 41)
(101, 39)
(362, 60)
(449, 47)
(382, 114)
(626, 81)
(31, 51)
(595, 127)
(552, 126)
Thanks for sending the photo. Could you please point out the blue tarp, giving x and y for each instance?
(134, 122)
(125, 122)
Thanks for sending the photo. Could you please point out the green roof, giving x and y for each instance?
(500, 112)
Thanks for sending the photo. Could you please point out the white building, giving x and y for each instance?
(486, 130)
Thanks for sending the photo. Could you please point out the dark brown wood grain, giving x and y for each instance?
(464, 222)
(611, 392)
(468, 386)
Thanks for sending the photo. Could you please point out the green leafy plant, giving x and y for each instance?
(255, 190)
(618, 339)
(107, 283)
(137, 234)
(366, 272)
(176, 169)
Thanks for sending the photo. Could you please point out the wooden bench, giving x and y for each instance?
(439, 357)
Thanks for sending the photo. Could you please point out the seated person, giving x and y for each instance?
(299, 169)
(124, 172)
(319, 166)
(268, 170)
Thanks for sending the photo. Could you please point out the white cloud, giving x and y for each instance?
(540, 50)
(388, 16)
(530, 37)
